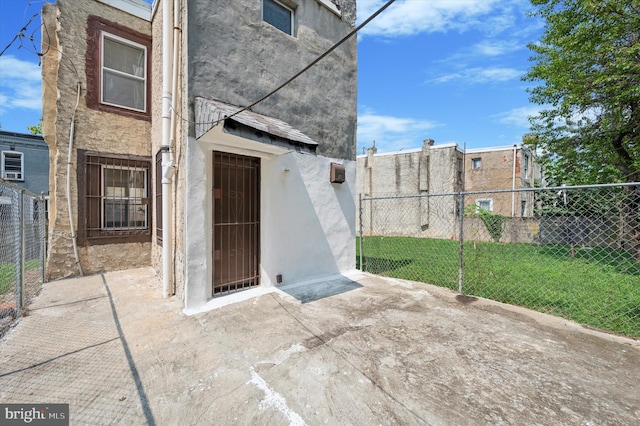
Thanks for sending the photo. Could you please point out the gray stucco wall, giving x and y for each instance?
(241, 63)
(431, 170)
(35, 156)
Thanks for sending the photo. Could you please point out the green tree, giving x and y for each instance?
(588, 64)
(37, 129)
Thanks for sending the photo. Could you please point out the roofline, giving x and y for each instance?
(494, 148)
(21, 135)
(412, 150)
(133, 7)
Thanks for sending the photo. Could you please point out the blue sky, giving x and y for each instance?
(448, 70)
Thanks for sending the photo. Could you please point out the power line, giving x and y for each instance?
(318, 59)
(20, 34)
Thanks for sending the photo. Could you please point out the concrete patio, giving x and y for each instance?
(370, 351)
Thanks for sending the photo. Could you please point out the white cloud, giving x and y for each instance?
(12, 67)
(518, 116)
(20, 85)
(480, 75)
(408, 17)
(496, 47)
(391, 133)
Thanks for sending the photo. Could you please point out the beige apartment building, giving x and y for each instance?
(428, 180)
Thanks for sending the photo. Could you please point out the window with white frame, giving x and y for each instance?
(485, 204)
(476, 163)
(12, 165)
(118, 69)
(278, 15)
(525, 160)
(124, 194)
(124, 81)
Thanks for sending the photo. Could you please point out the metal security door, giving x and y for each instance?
(236, 222)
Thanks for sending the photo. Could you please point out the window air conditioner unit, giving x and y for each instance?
(13, 175)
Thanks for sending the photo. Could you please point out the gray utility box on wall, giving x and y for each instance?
(337, 173)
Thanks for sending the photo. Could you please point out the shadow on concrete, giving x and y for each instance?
(464, 299)
(312, 291)
(57, 357)
(67, 303)
(132, 365)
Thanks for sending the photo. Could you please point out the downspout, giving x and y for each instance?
(513, 182)
(74, 238)
(170, 170)
(167, 165)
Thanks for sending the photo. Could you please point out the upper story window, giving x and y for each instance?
(118, 69)
(332, 5)
(12, 165)
(124, 73)
(476, 163)
(278, 15)
(526, 166)
(485, 204)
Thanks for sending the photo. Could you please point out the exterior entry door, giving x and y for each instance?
(236, 222)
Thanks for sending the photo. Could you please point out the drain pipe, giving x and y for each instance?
(170, 170)
(74, 238)
(167, 166)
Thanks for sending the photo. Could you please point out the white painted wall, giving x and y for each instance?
(307, 223)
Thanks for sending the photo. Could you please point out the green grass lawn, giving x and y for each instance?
(8, 274)
(593, 286)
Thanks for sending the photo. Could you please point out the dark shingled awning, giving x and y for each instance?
(249, 125)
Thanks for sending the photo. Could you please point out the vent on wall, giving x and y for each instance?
(12, 175)
(337, 173)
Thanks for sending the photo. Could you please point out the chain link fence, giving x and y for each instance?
(22, 250)
(573, 252)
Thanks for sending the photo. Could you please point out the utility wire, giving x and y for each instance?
(305, 69)
(20, 34)
(318, 59)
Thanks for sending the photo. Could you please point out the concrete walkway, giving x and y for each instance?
(377, 351)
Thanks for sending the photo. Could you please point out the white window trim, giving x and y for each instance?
(473, 162)
(12, 175)
(102, 67)
(293, 20)
(331, 6)
(104, 197)
(490, 200)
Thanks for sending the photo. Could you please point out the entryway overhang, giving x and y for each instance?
(247, 132)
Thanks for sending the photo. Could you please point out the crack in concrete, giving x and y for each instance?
(274, 400)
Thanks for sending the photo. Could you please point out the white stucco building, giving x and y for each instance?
(166, 166)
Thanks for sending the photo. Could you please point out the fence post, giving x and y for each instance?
(42, 219)
(460, 238)
(20, 254)
(360, 220)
